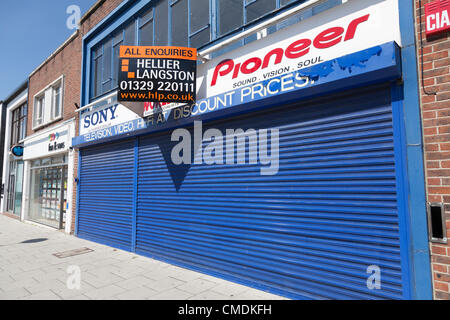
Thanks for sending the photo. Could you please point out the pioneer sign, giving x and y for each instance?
(329, 50)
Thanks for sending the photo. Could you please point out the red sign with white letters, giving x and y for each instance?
(437, 16)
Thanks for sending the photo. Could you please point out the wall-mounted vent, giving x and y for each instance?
(436, 222)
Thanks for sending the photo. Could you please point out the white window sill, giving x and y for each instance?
(47, 123)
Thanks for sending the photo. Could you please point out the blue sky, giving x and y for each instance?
(30, 31)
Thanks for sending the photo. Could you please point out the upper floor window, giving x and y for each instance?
(57, 101)
(191, 23)
(19, 124)
(191, 26)
(38, 113)
(48, 104)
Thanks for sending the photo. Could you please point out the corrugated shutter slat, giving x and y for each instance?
(309, 231)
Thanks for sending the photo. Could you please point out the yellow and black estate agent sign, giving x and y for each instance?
(157, 74)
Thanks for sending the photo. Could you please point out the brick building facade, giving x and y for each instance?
(434, 60)
(66, 62)
(62, 67)
(96, 14)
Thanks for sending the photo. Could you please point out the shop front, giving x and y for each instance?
(48, 160)
(48, 191)
(15, 114)
(287, 175)
(14, 189)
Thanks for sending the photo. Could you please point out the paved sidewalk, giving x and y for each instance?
(31, 271)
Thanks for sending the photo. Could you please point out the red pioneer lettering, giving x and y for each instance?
(278, 52)
(298, 48)
(329, 38)
(324, 40)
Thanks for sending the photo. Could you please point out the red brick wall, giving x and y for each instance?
(89, 22)
(436, 127)
(98, 15)
(67, 62)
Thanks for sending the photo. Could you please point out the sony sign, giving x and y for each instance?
(261, 69)
(106, 113)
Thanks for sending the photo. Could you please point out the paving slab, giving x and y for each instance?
(172, 294)
(136, 294)
(45, 295)
(197, 286)
(31, 271)
(105, 293)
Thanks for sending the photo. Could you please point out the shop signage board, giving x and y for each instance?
(153, 108)
(349, 28)
(157, 74)
(97, 121)
(346, 38)
(54, 143)
(148, 109)
(48, 143)
(437, 17)
(17, 151)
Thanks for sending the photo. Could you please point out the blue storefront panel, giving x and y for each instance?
(106, 194)
(338, 207)
(311, 231)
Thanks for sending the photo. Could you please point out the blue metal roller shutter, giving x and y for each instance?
(106, 194)
(312, 230)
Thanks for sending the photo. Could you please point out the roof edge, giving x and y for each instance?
(16, 92)
(91, 10)
(58, 50)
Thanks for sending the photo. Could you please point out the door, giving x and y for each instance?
(48, 196)
(11, 190)
(106, 195)
(315, 229)
(18, 192)
(15, 192)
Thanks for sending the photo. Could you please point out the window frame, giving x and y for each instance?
(18, 124)
(143, 23)
(101, 46)
(40, 100)
(55, 117)
(167, 6)
(190, 33)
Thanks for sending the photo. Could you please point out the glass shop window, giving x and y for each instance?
(179, 23)
(161, 23)
(146, 28)
(230, 15)
(200, 27)
(255, 9)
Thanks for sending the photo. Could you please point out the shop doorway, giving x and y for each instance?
(310, 231)
(48, 194)
(14, 191)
